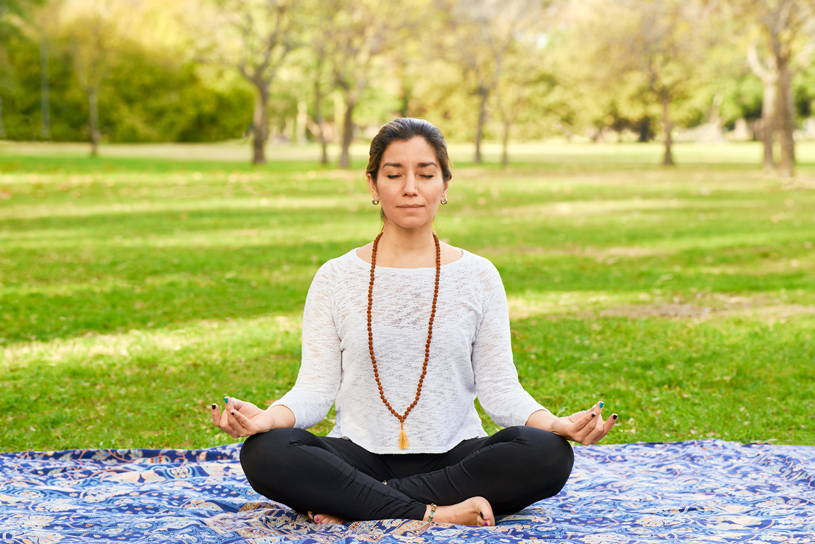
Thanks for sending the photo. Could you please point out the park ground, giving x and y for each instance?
(141, 286)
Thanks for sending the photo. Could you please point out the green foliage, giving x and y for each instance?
(21, 111)
(145, 98)
(135, 292)
(11, 10)
(804, 91)
(577, 68)
(149, 99)
(741, 98)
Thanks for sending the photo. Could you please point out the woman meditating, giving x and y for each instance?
(402, 335)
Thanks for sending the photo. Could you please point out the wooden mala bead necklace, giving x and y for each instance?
(403, 439)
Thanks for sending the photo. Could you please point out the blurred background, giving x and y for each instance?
(274, 72)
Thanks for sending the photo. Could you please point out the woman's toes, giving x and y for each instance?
(321, 519)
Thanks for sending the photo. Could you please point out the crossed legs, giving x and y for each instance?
(511, 469)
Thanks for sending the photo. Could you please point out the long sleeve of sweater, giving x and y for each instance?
(320, 369)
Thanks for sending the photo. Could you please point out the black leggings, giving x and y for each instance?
(511, 469)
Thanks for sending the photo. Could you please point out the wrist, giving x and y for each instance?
(280, 416)
(269, 424)
(542, 419)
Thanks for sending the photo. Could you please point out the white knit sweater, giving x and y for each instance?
(470, 354)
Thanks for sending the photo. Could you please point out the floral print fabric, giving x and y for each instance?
(698, 491)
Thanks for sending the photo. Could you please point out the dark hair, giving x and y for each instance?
(405, 129)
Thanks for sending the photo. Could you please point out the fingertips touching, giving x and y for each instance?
(238, 418)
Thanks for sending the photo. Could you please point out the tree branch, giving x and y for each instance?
(755, 64)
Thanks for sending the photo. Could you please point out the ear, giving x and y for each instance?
(444, 193)
(372, 187)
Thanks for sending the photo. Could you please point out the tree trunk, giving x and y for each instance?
(318, 118)
(505, 144)
(768, 123)
(668, 160)
(482, 118)
(45, 91)
(2, 124)
(786, 119)
(347, 132)
(644, 130)
(260, 124)
(93, 127)
(302, 120)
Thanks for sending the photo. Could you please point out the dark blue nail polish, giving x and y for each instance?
(615, 417)
(214, 406)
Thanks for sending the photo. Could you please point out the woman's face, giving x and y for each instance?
(409, 183)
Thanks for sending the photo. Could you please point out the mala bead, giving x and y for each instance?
(403, 439)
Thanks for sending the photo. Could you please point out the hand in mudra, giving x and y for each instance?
(586, 427)
(241, 418)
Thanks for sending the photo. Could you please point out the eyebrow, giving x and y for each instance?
(399, 164)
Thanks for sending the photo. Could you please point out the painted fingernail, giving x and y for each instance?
(317, 519)
(214, 406)
(602, 404)
(614, 417)
(232, 412)
(486, 523)
(593, 415)
(226, 400)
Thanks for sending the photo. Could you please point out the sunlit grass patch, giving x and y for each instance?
(135, 292)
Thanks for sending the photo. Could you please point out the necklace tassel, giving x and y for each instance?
(403, 440)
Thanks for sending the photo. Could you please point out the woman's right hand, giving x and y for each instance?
(241, 418)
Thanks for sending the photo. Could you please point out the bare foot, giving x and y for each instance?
(322, 518)
(475, 511)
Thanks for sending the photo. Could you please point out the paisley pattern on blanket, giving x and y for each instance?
(699, 491)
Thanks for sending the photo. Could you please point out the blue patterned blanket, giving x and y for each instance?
(700, 491)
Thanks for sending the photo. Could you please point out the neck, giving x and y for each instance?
(406, 248)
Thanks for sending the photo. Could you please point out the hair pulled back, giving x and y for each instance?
(402, 130)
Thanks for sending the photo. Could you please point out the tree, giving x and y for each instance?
(315, 69)
(13, 15)
(656, 45)
(94, 31)
(784, 40)
(257, 37)
(45, 28)
(523, 82)
(355, 36)
(481, 34)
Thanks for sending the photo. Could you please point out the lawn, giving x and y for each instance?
(136, 288)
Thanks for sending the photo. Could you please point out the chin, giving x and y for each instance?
(412, 224)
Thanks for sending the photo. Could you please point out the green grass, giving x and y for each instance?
(136, 291)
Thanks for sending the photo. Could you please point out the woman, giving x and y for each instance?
(402, 335)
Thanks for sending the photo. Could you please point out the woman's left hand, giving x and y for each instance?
(586, 427)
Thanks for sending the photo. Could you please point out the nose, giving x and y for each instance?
(411, 186)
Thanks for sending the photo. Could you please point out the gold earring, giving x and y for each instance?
(374, 202)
